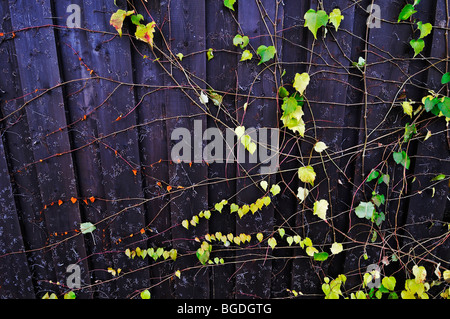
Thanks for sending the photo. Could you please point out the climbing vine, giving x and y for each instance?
(370, 227)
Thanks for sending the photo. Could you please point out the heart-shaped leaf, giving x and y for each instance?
(314, 20)
(266, 53)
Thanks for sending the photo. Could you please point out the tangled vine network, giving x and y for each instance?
(225, 149)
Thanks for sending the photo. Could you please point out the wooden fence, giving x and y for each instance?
(86, 119)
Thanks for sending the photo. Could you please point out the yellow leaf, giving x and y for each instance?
(178, 273)
(240, 130)
(263, 185)
(185, 224)
(446, 275)
(320, 147)
(310, 250)
(272, 242)
(117, 19)
(301, 81)
(320, 209)
(302, 193)
(145, 33)
(407, 108)
(307, 174)
(259, 236)
(420, 273)
(336, 17)
(336, 248)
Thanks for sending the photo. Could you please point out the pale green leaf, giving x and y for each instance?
(417, 45)
(320, 209)
(87, 227)
(336, 248)
(307, 174)
(301, 81)
(246, 55)
(336, 17)
(314, 20)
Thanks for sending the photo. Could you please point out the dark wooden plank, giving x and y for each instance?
(383, 78)
(16, 281)
(18, 144)
(81, 101)
(221, 76)
(184, 32)
(153, 145)
(294, 52)
(111, 58)
(253, 276)
(431, 156)
(37, 65)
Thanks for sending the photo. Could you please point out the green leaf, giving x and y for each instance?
(289, 105)
(361, 62)
(425, 29)
(402, 158)
(87, 227)
(321, 256)
(282, 92)
(373, 175)
(365, 210)
(307, 174)
(409, 131)
(444, 107)
(266, 53)
(70, 295)
(233, 208)
(281, 231)
(237, 40)
(406, 12)
(445, 78)
(314, 20)
(210, 54)
(240, 40)
(145, 294)
(301, 81)
(378, 199)
(229, 4)
(136, 18)
(246, 55)
(384, 178)
(440, 177)
(429, 102)
(336, 17)
(417, 45)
